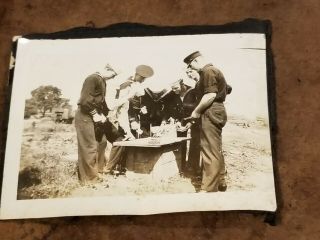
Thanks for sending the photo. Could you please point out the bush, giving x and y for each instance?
(29, 176)
(30, 109)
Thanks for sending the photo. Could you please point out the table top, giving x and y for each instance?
(148, 142)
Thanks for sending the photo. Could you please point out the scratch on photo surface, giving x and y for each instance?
(254, 48)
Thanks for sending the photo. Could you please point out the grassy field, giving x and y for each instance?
(49, 161)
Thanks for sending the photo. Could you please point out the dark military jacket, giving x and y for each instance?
(92, 98)
(153, 102)
(212, 81)
(177, 108)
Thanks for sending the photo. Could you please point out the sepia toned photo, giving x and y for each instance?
(139, 125)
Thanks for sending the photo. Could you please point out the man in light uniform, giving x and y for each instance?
(117, 99)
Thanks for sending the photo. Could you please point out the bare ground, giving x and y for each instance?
(49, 159)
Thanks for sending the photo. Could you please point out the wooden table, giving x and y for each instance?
(143, 155)
(146, 142)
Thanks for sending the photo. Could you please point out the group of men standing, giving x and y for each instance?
(104, 114)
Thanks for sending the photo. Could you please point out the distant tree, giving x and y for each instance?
(45, 98)
(30, 108)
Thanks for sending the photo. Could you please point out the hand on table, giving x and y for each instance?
(129, 136)
(184, 128)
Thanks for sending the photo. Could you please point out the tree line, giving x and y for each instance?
(44, 99)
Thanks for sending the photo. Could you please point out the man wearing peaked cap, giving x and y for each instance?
(144, 71)
(118, 101)
(212, 90)
(191, 57)
(138, 111)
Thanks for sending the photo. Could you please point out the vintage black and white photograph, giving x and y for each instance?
(138, 125)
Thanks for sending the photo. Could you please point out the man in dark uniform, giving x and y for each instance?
(174, 107)
(179, 104)
(212, 88)
(91, 124)
(139, 106)
(145, 111)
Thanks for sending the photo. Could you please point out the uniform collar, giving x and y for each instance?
(206, 66)
(126, 84)
(100, 75)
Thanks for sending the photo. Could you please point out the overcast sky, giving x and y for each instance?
(66, 63)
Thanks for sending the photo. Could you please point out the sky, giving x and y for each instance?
(66, 63)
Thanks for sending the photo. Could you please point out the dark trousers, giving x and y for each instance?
(192, 163)
(91, 152)
(117, 155)
(213, 120)
(182, 153)
(102, 160)
(194, 151)
(87, 148)
(108, 131)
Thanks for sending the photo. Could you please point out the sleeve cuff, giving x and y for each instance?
(211, 89)
(93, 112)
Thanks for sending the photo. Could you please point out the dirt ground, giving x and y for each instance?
(49, 162)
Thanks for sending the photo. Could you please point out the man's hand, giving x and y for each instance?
(178, 123)
(99, 118)
(144, 110)
(171, 120)
(96, 118)
(134, 125)
(195, 114)
(129, 136)
(184, 128)
(103, 118)
(188, 125)
(139, 131)
(110, 72)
